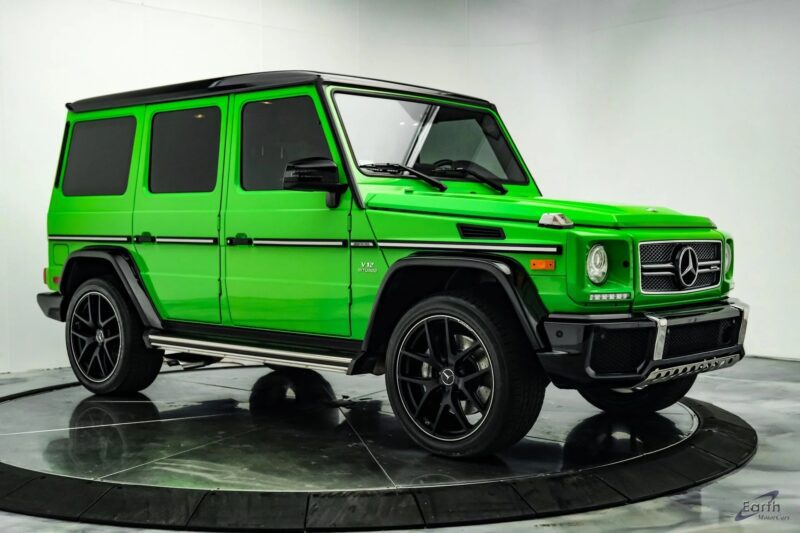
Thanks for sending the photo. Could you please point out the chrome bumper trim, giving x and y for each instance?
(660, 375)
(661, 335)
(745, 309)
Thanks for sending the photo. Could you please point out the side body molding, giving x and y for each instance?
(122, 263)
(449, 269)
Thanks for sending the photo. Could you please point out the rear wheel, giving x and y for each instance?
(104, 341)
(460, 376)
(639, 402)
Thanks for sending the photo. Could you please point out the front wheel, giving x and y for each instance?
(639, 402)
(104, 341)
(461, 377)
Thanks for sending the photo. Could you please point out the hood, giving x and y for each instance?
(529, 209)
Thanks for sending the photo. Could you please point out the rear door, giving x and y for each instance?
(177, 207)
(287, 257)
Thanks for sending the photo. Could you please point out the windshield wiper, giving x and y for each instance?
(481, 174)
(397, 167)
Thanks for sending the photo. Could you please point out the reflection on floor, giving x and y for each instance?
(248, 428)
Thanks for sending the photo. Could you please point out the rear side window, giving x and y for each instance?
(99, 159)
(276, 132)
(184, 150)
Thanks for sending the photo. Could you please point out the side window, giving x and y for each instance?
(274, 133)
(184, 150)
(99, 158)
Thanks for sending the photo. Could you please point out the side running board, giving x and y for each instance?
(250, 354)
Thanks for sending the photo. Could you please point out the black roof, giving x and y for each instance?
(251, 82)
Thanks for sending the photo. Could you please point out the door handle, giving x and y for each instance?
(144, 237)
(240, 240)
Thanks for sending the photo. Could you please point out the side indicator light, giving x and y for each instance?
(56, 279)
(543, 264)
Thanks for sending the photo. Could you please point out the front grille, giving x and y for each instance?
(659, 269)
(688, 339)
(620, 351)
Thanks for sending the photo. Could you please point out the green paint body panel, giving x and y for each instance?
(332, 290)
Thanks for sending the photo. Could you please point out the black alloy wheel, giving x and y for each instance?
(445, 377)
(461, 376)
(105, 341)
(96, 336)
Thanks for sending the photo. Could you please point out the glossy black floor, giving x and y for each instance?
(212, 432)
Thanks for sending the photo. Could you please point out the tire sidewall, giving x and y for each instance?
(481, 325)
(120, 306)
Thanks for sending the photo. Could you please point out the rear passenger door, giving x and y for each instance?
(177, 207)
(287, 257)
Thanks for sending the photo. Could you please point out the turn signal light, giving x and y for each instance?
(543, 264)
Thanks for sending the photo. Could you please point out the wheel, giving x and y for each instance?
(104, 341)
(639, 402)
(461, 376)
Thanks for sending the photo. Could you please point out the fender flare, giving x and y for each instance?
(514, 280)
(125, 268)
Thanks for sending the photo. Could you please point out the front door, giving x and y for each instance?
(176, 215)
(287, 258)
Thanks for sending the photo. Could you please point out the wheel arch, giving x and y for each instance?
(412, 278)
(118, 263)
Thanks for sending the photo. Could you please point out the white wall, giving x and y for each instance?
(690, 104)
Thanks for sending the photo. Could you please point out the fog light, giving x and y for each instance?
(609, 296)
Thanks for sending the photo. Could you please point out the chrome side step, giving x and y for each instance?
(660, 375)
(249, 354)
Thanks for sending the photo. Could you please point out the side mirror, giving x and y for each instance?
(315, 174)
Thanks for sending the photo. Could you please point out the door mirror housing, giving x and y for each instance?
(315, 174)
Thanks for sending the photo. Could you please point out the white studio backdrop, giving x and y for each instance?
(690, 104)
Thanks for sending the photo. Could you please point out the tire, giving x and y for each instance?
(480, 398)
(639, 402)
(115, 361)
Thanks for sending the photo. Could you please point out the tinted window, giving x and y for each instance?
(184, 150)
(99, 159)
(276, 132)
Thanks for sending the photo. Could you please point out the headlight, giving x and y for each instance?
(728, 257)
(597, 264)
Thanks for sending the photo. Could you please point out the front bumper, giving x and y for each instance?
(636, 350)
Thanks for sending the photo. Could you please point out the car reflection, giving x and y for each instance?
(292, 409)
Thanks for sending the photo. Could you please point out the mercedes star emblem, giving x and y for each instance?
(688, 266)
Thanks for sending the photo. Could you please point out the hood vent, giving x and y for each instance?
(472, 231)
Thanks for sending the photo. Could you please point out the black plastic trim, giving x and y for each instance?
(571, 338)
(517, 285)
(124, 266)
(721, 444)
(50, 304)
(478, 231)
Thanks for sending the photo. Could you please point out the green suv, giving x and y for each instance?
(348, 224)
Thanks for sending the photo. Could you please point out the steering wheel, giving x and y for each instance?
(442, 163)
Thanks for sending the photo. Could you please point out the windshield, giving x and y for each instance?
(429, 137)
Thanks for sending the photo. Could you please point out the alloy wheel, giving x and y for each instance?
(95, 336)
(444, 377)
